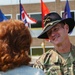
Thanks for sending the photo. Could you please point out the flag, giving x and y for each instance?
(44, 11)
(67, 13)
(25, 17)
(2, 17)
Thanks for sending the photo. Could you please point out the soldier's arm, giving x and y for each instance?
(43, 61)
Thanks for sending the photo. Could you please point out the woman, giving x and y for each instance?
(15, 41)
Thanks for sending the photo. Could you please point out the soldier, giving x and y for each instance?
(60, 60)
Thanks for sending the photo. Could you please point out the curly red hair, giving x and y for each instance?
(15, 41)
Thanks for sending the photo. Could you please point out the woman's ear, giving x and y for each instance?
(26, 52)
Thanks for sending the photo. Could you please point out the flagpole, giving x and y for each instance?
(44, 11)
(19, 1)
(43, 46)
(20, 8)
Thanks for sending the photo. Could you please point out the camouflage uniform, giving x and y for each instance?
(54, 64)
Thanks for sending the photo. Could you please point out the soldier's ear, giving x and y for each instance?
(66, 27)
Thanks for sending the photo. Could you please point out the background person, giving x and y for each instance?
(15, 41)
(61, 59)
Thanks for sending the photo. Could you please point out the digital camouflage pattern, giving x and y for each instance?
(54, 64)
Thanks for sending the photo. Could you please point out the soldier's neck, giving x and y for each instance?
(63, 48)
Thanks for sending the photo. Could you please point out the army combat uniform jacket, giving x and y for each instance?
(52, 63)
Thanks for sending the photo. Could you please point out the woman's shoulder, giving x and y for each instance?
(24, 70)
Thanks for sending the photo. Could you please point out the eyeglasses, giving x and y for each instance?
(53, 30)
